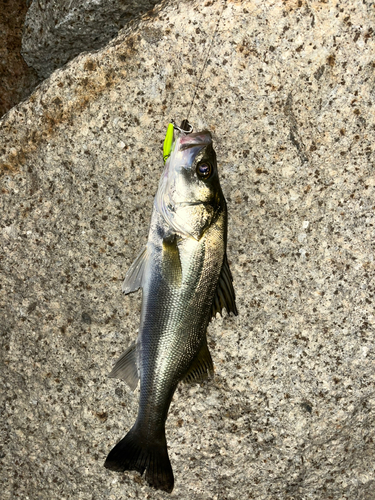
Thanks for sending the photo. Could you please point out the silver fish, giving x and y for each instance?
(185, 279)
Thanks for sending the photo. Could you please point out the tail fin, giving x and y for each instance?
(134, 453)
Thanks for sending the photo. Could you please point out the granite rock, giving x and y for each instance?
(288, 93)
(58, 30)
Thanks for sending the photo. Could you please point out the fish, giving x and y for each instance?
(185, 278)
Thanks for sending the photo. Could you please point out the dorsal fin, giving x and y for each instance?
(126, 367)
(201, 366)
(224, 296)
(133, 278)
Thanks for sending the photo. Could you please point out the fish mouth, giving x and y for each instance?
(196, 140)
(190, 146)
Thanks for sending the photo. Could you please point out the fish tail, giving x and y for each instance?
(133, 452)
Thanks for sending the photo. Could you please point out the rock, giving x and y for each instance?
(288, 94)
(58, 30)
(17, 80)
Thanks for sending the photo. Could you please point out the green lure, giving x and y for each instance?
(168, 141)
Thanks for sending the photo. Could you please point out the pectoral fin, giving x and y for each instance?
(225, 296)
(133, 278)
(126, 367)
(201, 366)
(172, 271)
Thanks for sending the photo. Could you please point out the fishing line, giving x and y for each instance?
(186, 127)
(205, 62)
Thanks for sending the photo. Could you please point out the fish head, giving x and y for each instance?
(189, 195)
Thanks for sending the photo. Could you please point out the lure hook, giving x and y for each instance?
(185, 127)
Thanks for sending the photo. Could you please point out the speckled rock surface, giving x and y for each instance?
(288, 93)
(58, 30)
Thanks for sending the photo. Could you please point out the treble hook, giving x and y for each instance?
(185, 127)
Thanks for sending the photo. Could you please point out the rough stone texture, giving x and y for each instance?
(58, 30)
(288, 92)
(17, 80)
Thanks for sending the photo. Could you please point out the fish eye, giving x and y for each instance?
(204, 170)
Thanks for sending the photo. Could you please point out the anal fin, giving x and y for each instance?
(126, 367)
(202, 365)
(134, 276)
